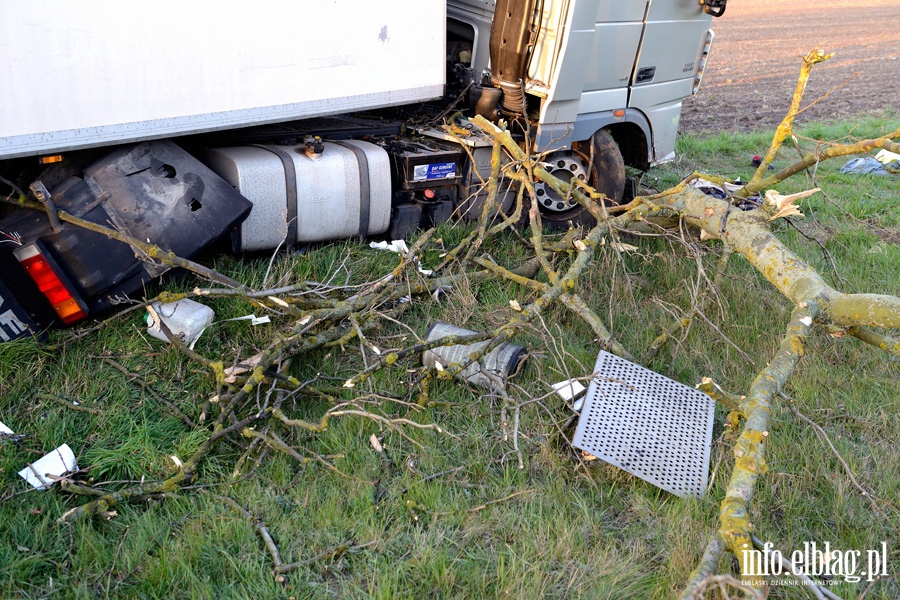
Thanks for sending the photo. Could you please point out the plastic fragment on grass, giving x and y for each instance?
(863, 166)
(570, 390)
(186, 320)
(886, 156)
(400, 247)
(5, 430)
(254, 320)
(41, 474)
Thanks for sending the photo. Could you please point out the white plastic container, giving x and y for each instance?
(186, 320)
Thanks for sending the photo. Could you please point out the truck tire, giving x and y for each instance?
(606, 174)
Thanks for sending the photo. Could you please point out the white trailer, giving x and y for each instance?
(86, 74)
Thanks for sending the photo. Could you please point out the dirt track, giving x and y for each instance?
(756, 57)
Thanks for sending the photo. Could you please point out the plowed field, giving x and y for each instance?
(756, 58)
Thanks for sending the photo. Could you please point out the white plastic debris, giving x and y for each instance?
(886, 156)
(400, 247)
(254, 320)
(569, 390)
(55, 464)
(186, 320)
(5, 429)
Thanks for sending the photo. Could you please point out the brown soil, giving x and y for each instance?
(756, 56)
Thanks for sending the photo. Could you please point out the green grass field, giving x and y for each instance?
(453, 516)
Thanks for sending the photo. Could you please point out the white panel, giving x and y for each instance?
(649, 95)
(673, 48)
(101, 64)
(602, 100)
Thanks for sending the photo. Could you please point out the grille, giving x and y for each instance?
(648, 425)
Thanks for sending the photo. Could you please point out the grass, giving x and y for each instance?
(483, 528)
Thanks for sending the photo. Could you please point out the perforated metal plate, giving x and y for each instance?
(650, 426)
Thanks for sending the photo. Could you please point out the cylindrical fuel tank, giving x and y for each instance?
(343, 192)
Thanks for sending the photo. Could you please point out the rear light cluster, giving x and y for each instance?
(50, 281)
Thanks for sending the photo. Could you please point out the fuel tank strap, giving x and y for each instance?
(365, 196)
(290, 181)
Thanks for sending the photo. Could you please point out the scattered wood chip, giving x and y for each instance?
(279, 301)
(231, 373)
(785, 204)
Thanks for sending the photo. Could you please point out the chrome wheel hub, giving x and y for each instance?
(565, 165)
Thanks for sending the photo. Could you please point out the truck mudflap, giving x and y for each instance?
(154, 192)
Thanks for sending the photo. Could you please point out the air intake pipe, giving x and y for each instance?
(510, 46)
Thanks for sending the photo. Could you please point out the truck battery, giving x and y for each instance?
(426, 164)
(472, 192)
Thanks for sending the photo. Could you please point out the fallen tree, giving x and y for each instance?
(251, 406)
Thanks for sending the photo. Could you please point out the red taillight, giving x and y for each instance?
(64, 301)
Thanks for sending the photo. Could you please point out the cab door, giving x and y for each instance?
(674, 35)
(618, 27)
(584, 56)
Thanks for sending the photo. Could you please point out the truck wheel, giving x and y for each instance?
(606, 174)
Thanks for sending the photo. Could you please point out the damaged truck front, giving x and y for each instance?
(276, 124)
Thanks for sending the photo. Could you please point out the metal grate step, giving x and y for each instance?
(648, 425)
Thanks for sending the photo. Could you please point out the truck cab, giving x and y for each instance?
(600, 76)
